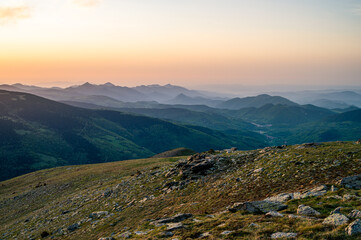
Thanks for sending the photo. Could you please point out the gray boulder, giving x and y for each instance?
(353, 182)
(336, 220)
(307, 211)
(354, 228)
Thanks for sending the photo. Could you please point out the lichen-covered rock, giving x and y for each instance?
(353, 182)
(283, 235)
(258, 206)
(336, 220)
(307, 211)
(354, 228)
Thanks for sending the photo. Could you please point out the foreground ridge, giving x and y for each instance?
(308, 191)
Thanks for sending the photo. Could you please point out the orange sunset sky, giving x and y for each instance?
(188, 42)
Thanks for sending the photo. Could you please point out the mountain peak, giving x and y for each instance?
(109, 84)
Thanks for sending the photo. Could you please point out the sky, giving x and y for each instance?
(187, 42)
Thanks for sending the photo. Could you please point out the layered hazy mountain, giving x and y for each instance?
(101, 123)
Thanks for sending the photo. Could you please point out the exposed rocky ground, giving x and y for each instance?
(308, 191)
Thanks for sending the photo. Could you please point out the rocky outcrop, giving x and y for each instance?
(258, 206)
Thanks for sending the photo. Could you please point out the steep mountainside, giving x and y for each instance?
(284, 114)
(37, 133)
(303, 191)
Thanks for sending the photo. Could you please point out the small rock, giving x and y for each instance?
(106, 238)
(226, 232)
(307, 211)
(354, 228)
(283, 235)
(174, 226)
(348, 197)
(73, 227)
(253, 225)
(99, 214)
(355, 214)
(335, 220)
(259, 170)
(274, 214)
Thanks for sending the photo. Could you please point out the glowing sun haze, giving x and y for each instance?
(188, 42)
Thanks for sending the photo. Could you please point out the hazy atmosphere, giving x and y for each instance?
(190, 42)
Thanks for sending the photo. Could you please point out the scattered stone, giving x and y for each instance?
(174, 226)
(353, 182)
(177, 218)
(259, 170)
(258, 206)
(274, 214)
(226, 232)
(283, 197)
(126, 234)
(354, 228)
(206, 234)
(99, 214)
(73, 227)
(283, 235)
(335, 220)
(333, 188)
(348, 197)
(140, 233)
(253, 225)
(307, 211)
(355, 214)
(167, 234)
(106, 238)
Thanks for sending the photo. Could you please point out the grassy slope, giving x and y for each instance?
(79, 189)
